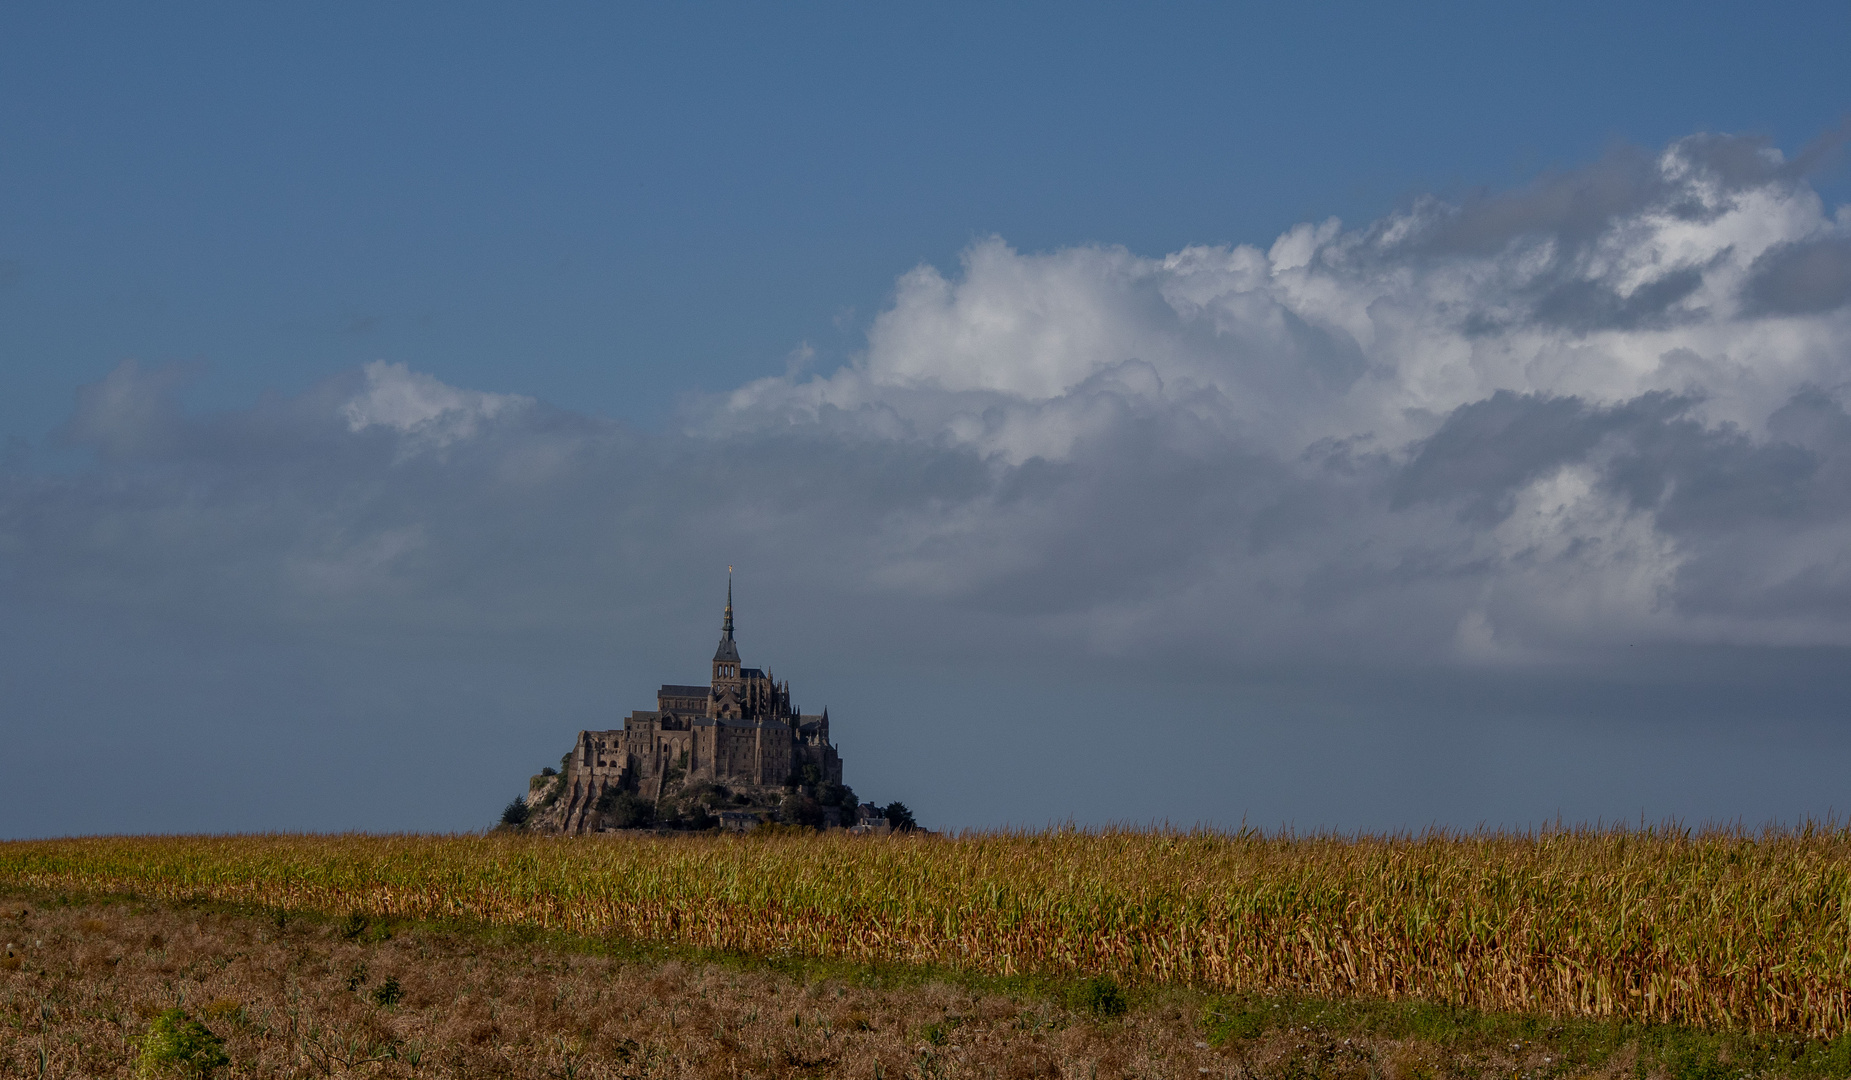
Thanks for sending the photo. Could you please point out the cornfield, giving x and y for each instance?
(1718, 929)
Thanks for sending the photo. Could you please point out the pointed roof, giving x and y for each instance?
(728, 650)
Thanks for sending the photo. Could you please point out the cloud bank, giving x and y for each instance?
(1526, 431)
(1605, 409)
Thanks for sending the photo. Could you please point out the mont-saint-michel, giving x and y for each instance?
(734, 753)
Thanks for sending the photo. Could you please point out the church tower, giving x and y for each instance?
(726, 657)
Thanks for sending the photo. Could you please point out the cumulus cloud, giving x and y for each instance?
(1523, 429)
(1552, 418)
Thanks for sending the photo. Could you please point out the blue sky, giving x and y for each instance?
(370, 377)
(609, 207)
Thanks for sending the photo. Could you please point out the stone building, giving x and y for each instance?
(740, 731)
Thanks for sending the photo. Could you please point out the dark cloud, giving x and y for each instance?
(1486, 450)
(1742, 161)
(1584, 306)
(1747, 161)
(1692, 477)
(279, 543)
(287, 512)
(1578, 206)
(1801, 278)
(1574, 206)
(1562, 220)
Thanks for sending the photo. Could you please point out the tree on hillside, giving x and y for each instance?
(625, 810)
(800, 809)
(514, 815)
(899, 817)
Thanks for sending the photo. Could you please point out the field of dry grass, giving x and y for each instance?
(330, 997)
(1725, 931)
(308, 996)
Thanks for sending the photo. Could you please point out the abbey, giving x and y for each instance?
(740, 732)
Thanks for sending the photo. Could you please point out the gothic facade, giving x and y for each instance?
(739, 731)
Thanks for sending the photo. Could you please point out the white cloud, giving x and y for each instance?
(415, 404)
(1632, 283)
(1527, 428)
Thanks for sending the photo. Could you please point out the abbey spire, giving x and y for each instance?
(726, 657)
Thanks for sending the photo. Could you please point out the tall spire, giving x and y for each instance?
(728, 652)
